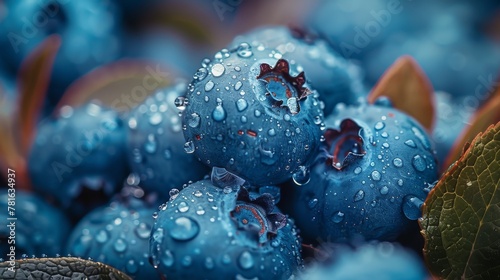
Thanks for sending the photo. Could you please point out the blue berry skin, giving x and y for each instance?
(371, 175)
(209, 232)
(89, 31)
(40, 228)
(370, 261)
(79, 158)
(156, 144)
(117, 235)
(238, 116)
(336, 79)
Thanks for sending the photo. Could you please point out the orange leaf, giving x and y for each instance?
(33, 80)
(487, 115)
(409, 90)
(121, 85)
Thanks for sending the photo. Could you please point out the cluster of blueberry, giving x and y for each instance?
(272, 145)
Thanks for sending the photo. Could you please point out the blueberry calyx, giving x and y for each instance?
(285, 90)
(256, 215)
(344, 145)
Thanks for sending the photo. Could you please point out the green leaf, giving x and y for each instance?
(59, 268)
(461, 216)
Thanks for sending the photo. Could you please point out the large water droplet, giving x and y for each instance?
(155, 119)
(180, 103)
(419, 163)
(168, 258)
(301, 176)
(244, 50)
(120, 246)
(376, 175)
(411, 207)
(357, 170)
(359, 195)
(241, 104)
(338, 217)
(246, 260)
(200, 74)
(184, 229)
(379, 125)
(238, 85)
(410, 143)
(143, 231)
(194, 120)
(384, 190)
(189, 147)
(183, 207)
(209, 86)
(219, 114)
(218, 69)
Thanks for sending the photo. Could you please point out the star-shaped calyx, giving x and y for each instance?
(256, 215)
(345, 145)
(285, 90)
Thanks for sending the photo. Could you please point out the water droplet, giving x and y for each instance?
(168, 258)
(301, 176)
(109, 124)
(257, 113)
(151, 144)
(338, 217)
(238, 85)
(158, 235)
(194, 120)
(180, 103)
(421, 137)
(410, 143)
(219, 114)
(379, 125)
(400, 182)
(209, 263)
(201, 74)
(120, 246)
(200, 211)
(183, 207)
(376, 175)
(209, 86)
(189, 147)
(155, 119)
(167, 154)
(132, 123)
(397, 162)
(186, 261)
(411, 207)
(184, 228)
(143, 231)
(419, 163)
(359, 195)
(357, 170)
(384, 190)
(218, 69)
(244, 50)
(241, 104)
(173, 193)
(102, 236)
(131, 267)
(226, 259)
(292, 105)
(246, 260)
(312, 203)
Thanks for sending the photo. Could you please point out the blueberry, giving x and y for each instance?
(39, 228)
(251, 112)
(156, 144)
(372, 260)
(117, 235)
(371, 175)
(88, 29)
(79, 157)
(336, 79)
(216, 231)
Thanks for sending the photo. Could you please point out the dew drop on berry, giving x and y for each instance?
(102, 236)
(301, 176)
(379, 125)
(357, 170)
(143, 231)
(184, 228)
(238, 85)
(173, 193)
(219, 114)
(189, 147)
(312, 203)
(359, 195)
(418, 163)
(120, 246)
(410, 143)
(183, 207)
(246, 260)
(218, 69)
(375, 175)
(200, 74)
(168, 258)
(384, 190)
(209, 86)
(180, 103)
(200, 211)
(131, 267)
(338, 217)
(194, 120)
(411, 207)
(397, 162)
(241, 104)
(244, 50)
